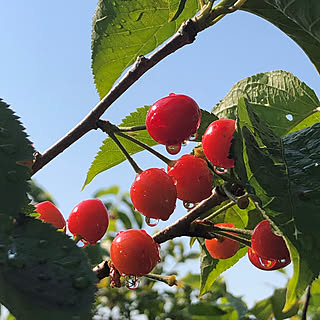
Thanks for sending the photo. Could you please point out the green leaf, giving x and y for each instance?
(272, 307)
(110, 155)
(175, 9)
(299, 19)
(44, 275)
(14, 147)
(212, 268)
(102, 192)
(282, 174)
(277, 97)
(124, 219)
(123, 30)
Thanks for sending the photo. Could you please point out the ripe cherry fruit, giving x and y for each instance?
(50, 213)
(193, 178)
(266, 264)
(134, 253)
(268, 245)
(172, 120)
(154, 194)
(222, 247)
(216, 142)
(89, 221)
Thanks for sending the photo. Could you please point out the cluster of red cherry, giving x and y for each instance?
(171, 121)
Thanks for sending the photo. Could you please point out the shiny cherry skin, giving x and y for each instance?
(222, 248)
(89, 220)
(216, 142)
(154, 194)
(173, 119)
(268, 245)
(266, 264)
(51, 214)
(134, 252)
(193, 178)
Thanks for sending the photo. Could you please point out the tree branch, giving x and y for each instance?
(182, 226)
(185, 35)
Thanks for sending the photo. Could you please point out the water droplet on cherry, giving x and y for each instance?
(219, 170)
(174, 148)
(193, 137)
(268, 264)
(132, 282)
(189, 205)
(151, 222)
(172, 94)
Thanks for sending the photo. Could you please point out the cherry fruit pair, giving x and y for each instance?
(88, 220)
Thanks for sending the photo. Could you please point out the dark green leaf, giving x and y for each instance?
(277, 97)
(206, 119)
(283, 176)
(123, 30)
(14, 148)
(38, 194)
(95, 253)
(299, 19)
(238, 304)
(46, 274)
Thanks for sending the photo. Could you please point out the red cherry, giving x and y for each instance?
(173, 119)
(265, 264)
(134, 253)
(193, 178)
(267, 244)
(50, 213)
(216, 142)
(154, 194)
(222, 248)
(89, 219)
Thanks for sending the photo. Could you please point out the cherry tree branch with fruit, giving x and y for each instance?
(245, 186)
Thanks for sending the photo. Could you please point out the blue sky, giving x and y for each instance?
(46, 78)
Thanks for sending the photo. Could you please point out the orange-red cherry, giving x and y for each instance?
(134, 252)
(216, 142)
(89, 220)
(154, 194)
(51, 214)
(222, 247)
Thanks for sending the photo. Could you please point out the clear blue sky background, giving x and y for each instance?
(46, 77)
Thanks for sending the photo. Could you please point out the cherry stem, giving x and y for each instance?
(169, 162)
(169, 280)
(242, 240)
(134, 165)
(243, 232)
(220, 210)
(131, 129)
